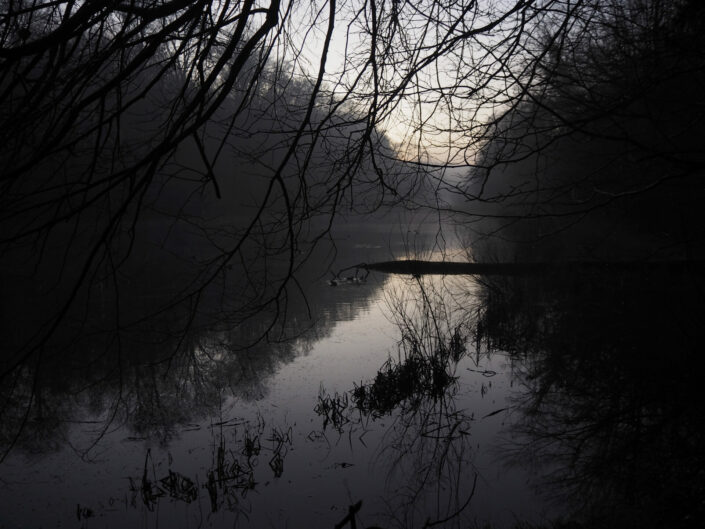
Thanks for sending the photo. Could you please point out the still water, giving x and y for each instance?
(400, 401)
(205, 442)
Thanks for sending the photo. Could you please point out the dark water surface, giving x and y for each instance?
(217, 440)
(434, 401)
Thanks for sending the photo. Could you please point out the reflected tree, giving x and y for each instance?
(159, 383)
(426, 451)
(610, 412)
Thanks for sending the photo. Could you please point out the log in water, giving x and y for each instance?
(417, 267)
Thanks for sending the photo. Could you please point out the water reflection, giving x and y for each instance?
(425, 452)
(212, 433)
(158, 378)
(156, 420)
(388, 424)
(609, 407)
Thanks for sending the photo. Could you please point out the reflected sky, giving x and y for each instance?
(196, 441)
(421, 401)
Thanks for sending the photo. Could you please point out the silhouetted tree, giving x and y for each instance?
(598, 155)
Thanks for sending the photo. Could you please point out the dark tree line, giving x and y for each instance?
(600, 156)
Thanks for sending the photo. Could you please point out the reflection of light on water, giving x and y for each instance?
(316, 474)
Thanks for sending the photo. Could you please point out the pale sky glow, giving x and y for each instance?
(349, 51)
(436, 118)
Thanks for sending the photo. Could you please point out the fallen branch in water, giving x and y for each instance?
(418, 268)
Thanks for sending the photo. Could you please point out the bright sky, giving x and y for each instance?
(426, 124)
